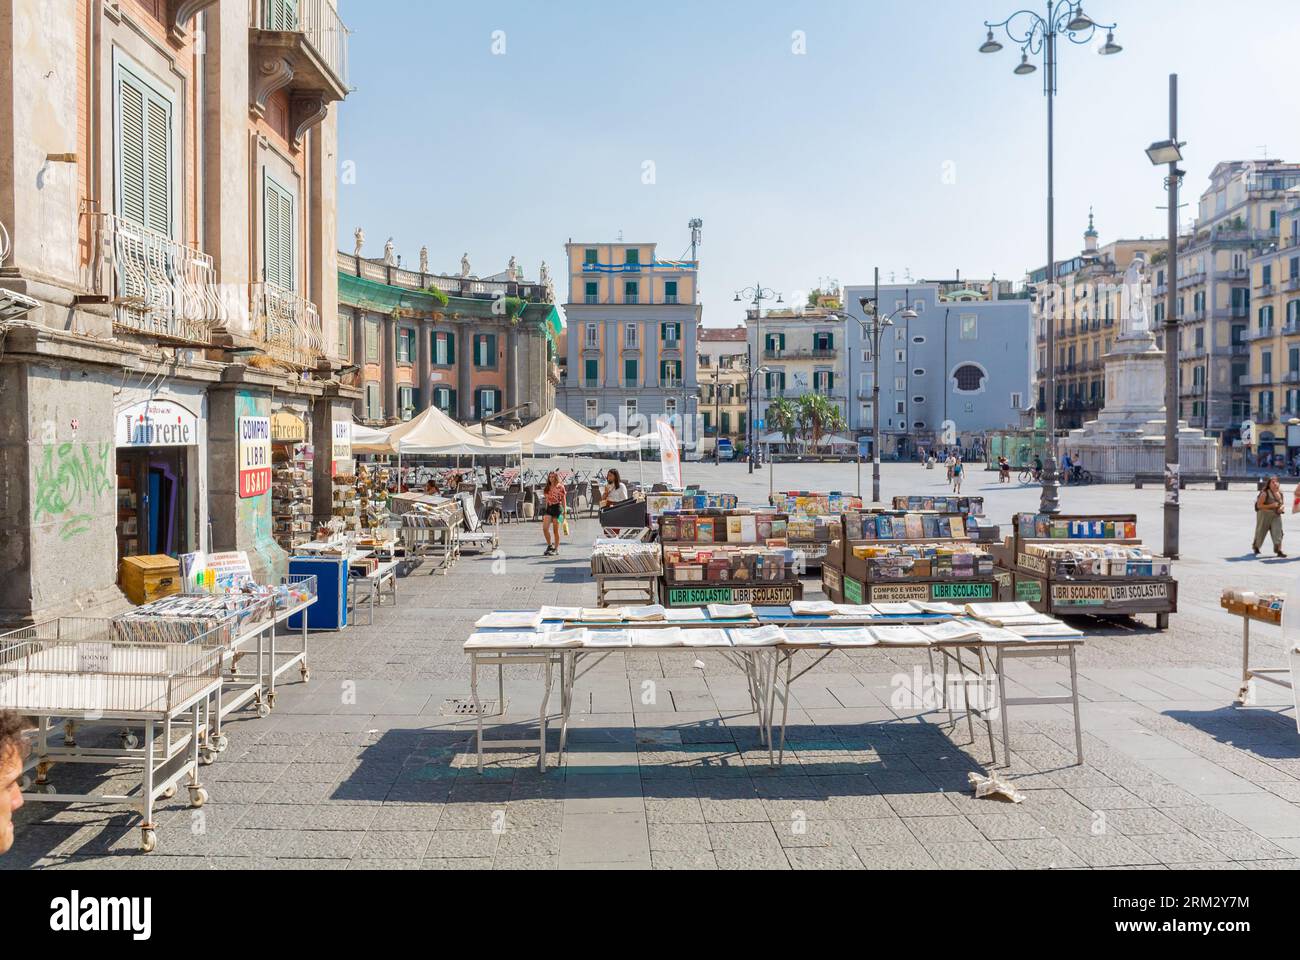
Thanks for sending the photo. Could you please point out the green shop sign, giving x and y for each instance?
(962, 591)
(852, 591)
(1030, 591)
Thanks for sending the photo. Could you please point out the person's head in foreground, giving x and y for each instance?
(12, 750)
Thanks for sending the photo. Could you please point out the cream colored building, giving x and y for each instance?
(724, 383)
(168, 179)
(1274, 334)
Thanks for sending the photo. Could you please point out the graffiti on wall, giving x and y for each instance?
(71, 482)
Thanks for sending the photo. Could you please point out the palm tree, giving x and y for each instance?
(819, 418)
(783, 417)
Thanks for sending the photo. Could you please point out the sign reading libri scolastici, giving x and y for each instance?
(254, 456)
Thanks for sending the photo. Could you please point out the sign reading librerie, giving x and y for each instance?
(254, 456)
(341, 445)
(156, 423)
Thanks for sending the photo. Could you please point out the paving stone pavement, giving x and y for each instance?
(363, 768)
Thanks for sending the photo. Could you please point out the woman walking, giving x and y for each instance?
(1269, 507)
(958, 469)
(553, 512)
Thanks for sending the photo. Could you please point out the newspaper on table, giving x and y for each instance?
(561, 613)
(856, 611)
(504, 640)
(601, 615)
(988, 611)
(952, 631)
(998, 635)
(899, 636)
(895, 609)
(511, 620)
(769, 636)
(686, 615)
(708, 637)
(658, 637)
(1056, 630)
(938, 606)
(812, 608)
(645, 614)
(730, 611)
(852, 637)
(1022, 620)
(562, 639)
(608, 639)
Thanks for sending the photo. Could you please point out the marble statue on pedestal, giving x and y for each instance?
(360, 237)
(389, 258)
(464, 266)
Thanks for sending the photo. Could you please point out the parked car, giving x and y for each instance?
(726, 451)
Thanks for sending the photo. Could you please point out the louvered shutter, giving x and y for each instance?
(282, 15)
(144, 155)
(279, 243)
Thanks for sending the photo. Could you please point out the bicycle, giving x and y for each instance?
(1081, 477)
(1028, 477)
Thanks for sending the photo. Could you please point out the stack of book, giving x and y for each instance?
(726, 564)
(625, 557)
(1100, 560)
(904, 526)
(1041, 526)
(971, 506)
(925, 561)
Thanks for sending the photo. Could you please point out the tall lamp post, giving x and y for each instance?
(1170, 152)
(873, 326)
(756, 295)
(1038, 35)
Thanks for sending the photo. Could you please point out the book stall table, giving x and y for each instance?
(625, 567)
(97, 672)
(370, 578)
(1259, 608)
(813, 520)
(760, 641)
(727, 556)
(1087, 565)
(250, 615)
(897, 556)
(430, 527)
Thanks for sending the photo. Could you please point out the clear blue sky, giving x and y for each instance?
(801, 166)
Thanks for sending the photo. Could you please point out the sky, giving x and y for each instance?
(816, 139)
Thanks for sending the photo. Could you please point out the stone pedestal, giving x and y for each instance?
(1128, 437)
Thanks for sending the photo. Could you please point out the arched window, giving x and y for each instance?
(969, 378)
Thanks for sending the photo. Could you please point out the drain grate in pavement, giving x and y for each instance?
(464, 707)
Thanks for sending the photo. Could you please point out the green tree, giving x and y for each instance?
(783, 417)
(818, 418)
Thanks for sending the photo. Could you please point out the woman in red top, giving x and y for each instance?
(553, 495)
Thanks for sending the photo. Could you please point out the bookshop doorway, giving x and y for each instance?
(152, 501)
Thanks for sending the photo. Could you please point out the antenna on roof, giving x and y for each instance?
(697, 235)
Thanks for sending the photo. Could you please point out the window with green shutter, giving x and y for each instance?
(726, 422)
(589, 255)
(631, 374)
(593, 291)
(485, 350)
(670, 291)
(670, 333)
(145, 178)
(591, 372)
(279, 230)
(372, 340)
(444, 349)
(281, 15)
(633, 255)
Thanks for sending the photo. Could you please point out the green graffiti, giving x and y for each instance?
(70, 480)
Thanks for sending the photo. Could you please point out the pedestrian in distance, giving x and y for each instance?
(958, 469)
(553, 512)
(13, 748)
(1269, 507)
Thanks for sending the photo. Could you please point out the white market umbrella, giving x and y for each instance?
(555, 433)
(433, 433)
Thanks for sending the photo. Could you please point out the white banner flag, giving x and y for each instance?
(670, 455)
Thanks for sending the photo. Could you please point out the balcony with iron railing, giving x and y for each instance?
(1258, 380)
(301, 46)
(158, 288)
(286, 326)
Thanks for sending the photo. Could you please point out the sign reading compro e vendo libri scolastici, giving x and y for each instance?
(254, 456)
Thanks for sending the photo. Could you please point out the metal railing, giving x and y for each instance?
(286, 325)
(319, 22)
(157, 286)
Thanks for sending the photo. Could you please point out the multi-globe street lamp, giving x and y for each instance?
(1037, 35)
(756, 295)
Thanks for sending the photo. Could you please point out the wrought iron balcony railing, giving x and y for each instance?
(286, 326)
(158, 287)
(320, 24)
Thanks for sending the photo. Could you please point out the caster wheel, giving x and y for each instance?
(206, 757)
(223, 742)
(169, 792)
(306, 675)
(130, 741)
(148, 840)
(198, 796)
(263, 710)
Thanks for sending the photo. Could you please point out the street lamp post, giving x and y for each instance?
(756, 294)
(1170, 152)
(1036, 34)
(717, 411)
